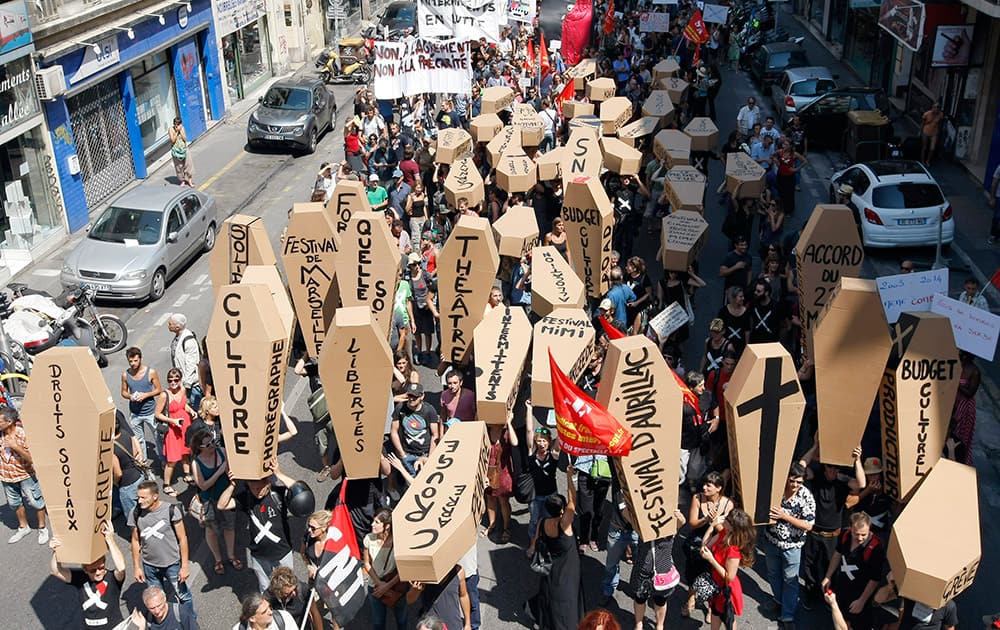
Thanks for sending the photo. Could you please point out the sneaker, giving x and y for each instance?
(19, 534)
(43, 536)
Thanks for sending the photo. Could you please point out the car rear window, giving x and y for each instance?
(907, 195)
(401, 13)
(813, 87)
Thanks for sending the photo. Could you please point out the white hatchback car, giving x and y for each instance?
(896, 203)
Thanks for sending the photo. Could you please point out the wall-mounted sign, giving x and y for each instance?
(952, 45)
(94, 62)
(14, 31)
(904, 19)
(17, 93)
(232, 15)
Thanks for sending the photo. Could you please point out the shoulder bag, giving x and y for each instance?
(541, 560)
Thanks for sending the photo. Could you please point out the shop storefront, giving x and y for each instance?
(244, 40)
(867, 48)
(122, 94)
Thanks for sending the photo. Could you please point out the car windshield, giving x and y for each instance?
(406, 13)
(812, 87)
(287, 98)
(116, 225)
(907, 195)
(843, 103)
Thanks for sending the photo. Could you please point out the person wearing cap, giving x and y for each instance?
(872, 500)
(414, 430)
(423, 289)
(378, 198)
(606, 311)
(399, 192)
(716, 346)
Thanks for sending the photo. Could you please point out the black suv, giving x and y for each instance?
(770, 60)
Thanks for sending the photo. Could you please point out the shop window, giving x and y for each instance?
(26, 216)
(155, 101)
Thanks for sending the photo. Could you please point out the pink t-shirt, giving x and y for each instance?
(463, 407)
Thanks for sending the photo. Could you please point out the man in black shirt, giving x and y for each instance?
(100, 591)
(736, 266)
(913, 615)
(263, 503)
(764, 316)
(830, 490)
(414, 429)
(854, 571)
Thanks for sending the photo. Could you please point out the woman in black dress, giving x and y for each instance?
(637, 280)
(736, 318)
(559, 603)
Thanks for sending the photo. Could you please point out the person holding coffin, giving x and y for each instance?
(855, 569)
(99, 590)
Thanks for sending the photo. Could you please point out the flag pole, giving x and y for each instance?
(312, 596)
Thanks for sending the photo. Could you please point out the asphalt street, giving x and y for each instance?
(266, 184)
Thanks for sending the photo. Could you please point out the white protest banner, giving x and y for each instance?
(521, 10)
(715, 14)
(652, 22)
(975, 330)
(467, 20)
(422, 66)
(668, 320)
(909, 292)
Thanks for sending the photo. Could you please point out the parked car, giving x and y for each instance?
(825, 118)
(292, 114)
(799, 86)
(896, 203)
(144, 238)
(771, 60)
(399, 20)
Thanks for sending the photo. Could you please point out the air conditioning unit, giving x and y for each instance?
(50, 83)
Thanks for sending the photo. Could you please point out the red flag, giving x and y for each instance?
(995, 279)
(576, 30)
(585, 427)
(339, 580)
(529, 59)
(690, 398)
(567, 93)
(609, 18)
(610, 330)
(543, 55)
(696, 31)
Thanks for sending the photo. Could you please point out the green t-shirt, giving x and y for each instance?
(403, 295)
(376, 196)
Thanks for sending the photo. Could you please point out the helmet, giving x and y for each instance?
(300, 500)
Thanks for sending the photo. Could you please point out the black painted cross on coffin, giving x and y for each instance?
(768, 402)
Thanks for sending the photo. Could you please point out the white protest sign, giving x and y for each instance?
(467, 20)
(521, 10)
(975, 330)
(668, 320)
(651, 22)
(422, 66)
(909, 292)
(715, 14)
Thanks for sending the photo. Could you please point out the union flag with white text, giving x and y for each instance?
(584, 426)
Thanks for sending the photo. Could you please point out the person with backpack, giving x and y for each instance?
(855, 570)
(257, 614)
(185, 355)
(160, 545)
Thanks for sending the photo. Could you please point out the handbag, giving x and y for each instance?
(541, 560)
(198, 509)
(664, 581)
(705, 589)
(391, 596)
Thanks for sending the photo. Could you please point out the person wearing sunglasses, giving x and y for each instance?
(210, 475)
(783, 542)
(542, 466)
(173, 410)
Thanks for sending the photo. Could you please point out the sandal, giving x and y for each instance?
(505, 536)
(484, 533)
(219, 567)
(323, 474)
(236, 564)
(169, 490)
(188, 479)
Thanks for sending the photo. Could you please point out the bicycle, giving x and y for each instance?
(13, 386)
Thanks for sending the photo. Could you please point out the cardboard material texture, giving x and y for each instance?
(852, 345)
(485, 127)
(309, 255)
(673, 146)
(516, 231)
(248, 349)
(658, 105)
(516, 173)
(704, 134)
(615, 114)
(632, 132)
(588, 122)
(916, 397)
(437, 521)
(569, 334)
(502, 341)
(242, 241)
(554, 284)
(744, 177)
(69, 422)
(828, 248)
(452, 144)
(675, 88)
(467, 266)
(354, 365)
(764, 405)
(549, 164)
(269, 276)
(602, 89)
(685, 187)
(348, 197)
(638, 389)
(582, 156)
(464, 182)
(927, 566)
(572, 109)
(619, 157)
(496, 99)
(507, 141)
(530, 123)
(665, 69)
(590, 222)
(368, 266)
(683, 235)
(581, 72)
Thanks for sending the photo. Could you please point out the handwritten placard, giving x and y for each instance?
(975, 330)
(684, 234)
(910, 291)
(668, 320)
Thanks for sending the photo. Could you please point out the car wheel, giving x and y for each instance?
(311, 148)
(209, 241)
(158, 286)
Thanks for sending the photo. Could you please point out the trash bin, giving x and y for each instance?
(867, 135)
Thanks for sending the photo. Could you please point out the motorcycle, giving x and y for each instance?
(350, 63)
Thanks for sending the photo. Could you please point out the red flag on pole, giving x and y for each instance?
(339, 580)
(566, 94)
(529, 58)
(690, 398)
(696, 32)
(543, 55)
(609, 18)
(585, 427)
(995, 279)
(610, 330)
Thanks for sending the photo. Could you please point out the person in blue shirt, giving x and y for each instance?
(619, 294)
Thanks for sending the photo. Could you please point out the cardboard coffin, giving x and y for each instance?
(590, 220)
(675, 88)
(437, 520)
(615, 114)
(683, 236)
(673, 146)
(572, 109)
(516, 172)
(554, 284)
(665, 69)
(638, 389)
(464, 182)
(452, 144)
(496, 99)
(685, 187)
(632, 132)
(582, 156)
(582, 71)
(368, 266)
(744, 177)
(658, 105)
(516, 231)
(467, 266)
(549, 164)
(852, 345)
(242, 241)
(530, 123)
(602, 89)
(269, 276)
(69, 423)
(485, 127)
(764, 405)
(619, 157)
(348, 198)
(502, 341)
(507, 141)
(569, 334)
(704, 134)
(354, 365)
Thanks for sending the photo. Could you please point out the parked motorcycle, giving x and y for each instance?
(350, 63)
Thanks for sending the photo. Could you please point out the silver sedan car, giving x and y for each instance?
(145, 237)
